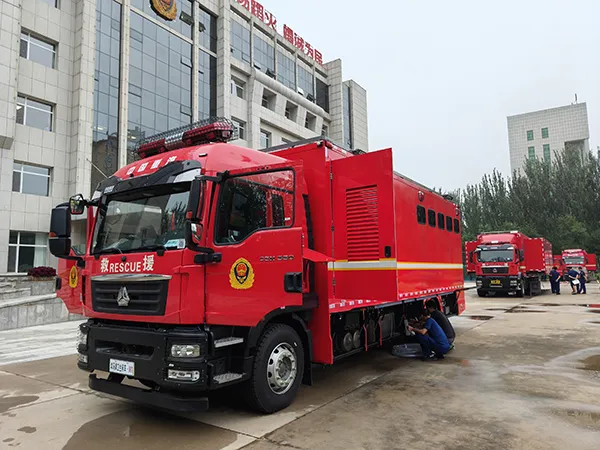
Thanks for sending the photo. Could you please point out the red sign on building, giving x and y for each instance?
(258, 11)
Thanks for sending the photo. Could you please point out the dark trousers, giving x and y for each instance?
(555, 285)
(581, 288)
(429, 346)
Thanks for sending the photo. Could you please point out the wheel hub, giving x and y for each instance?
(282, 368)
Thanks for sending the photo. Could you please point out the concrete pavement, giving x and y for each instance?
(525, 375)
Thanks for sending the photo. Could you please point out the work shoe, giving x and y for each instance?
(432, 357)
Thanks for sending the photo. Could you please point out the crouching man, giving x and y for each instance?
(432, 338)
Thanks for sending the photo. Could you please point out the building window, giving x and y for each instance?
(53, 3)
(207, 88)
(306, 82)
(161, 73)
(322, 89)
(286, 68)
(268, 99)
(238, 88)
(240, 39)
(441, 221)
(26, 250)
(34, 113)
(531, 151)
(105, 140)
(324, 130)
(38, 50)
(545, 134)
(310, 122)
(547, 154)
(530, 135)
(347, 117)
(431, 218)
(240, 128)
(265, 139)
(291, 111)
(208, 30)
(264, 53)
(31, 179)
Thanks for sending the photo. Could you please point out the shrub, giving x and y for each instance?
(42, 272)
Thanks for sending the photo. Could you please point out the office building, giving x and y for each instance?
(541, 134)
(82, 81)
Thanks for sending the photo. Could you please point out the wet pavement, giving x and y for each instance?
(525, 374)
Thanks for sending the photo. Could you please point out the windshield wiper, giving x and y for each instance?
(153, 247)
(108, 250)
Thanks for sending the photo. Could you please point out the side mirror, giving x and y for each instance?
(77, 204)
(60, 231)
(196, 199)
(196, 233)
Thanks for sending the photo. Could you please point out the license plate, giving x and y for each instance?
(496, 282)
(121, 367)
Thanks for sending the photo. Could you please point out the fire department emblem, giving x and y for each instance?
(241, 275)
(73, 277)
(167, 9)
(123, 297)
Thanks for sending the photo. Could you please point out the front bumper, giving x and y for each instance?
(156, 399)
(498, 283)
(149, 350)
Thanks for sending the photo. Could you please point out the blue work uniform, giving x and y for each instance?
(435, 341)
(581, 288)
(573, 275)
(555, 281)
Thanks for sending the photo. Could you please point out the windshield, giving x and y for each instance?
(146, 220)
(573, 260)
(496, 255)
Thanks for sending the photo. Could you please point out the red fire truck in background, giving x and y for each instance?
(576, 258)
(209, 264)
(509, 261)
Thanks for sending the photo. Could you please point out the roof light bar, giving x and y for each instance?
(214, 129)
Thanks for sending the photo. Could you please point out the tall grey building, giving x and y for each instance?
(541, 134)
(81, 81)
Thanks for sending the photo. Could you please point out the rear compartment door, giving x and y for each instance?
(535, 256)
(365, 264)
(256, 226)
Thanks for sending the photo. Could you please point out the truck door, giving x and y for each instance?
(68, 284)
(256, 226)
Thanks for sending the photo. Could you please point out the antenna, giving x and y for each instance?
(575, 97)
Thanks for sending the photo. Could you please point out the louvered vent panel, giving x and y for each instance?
(362, 223)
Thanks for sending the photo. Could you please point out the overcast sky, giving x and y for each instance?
(441, 76)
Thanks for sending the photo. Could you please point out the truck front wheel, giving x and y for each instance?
(277, 371)
(481, 292)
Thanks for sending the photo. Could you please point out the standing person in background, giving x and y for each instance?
(555, 281)
(572, 276)
(582, 280)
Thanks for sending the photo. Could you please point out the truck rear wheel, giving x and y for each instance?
(277, 371)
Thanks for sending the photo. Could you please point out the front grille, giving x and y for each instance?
(494, 270)
(146, 298)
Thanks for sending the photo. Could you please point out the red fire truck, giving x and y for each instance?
(509, 261)
(209, 264)
(576, 258)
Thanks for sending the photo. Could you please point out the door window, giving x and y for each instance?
(254, 202)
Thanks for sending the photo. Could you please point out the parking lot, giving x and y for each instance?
(525, 374)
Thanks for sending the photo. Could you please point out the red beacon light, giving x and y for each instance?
(198, 133)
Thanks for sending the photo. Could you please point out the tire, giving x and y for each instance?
(279, 347)
(481, 292)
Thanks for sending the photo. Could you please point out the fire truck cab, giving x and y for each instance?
(209, 264)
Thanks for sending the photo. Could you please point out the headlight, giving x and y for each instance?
(185, 350)
(81, 338)
(479, 282)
